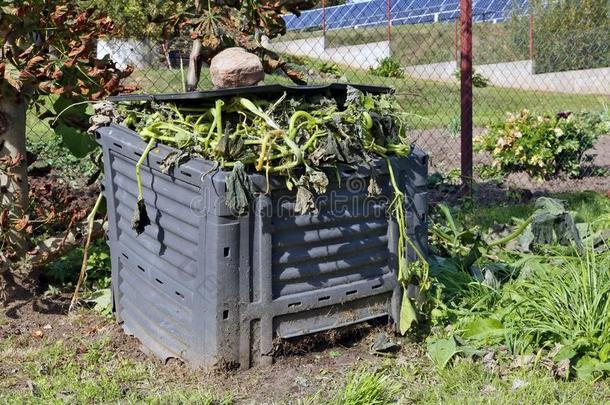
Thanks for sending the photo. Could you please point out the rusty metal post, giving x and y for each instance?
(324, 22)
(388, 14)
(466, 92)
(532, 37)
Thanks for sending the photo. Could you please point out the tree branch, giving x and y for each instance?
(54, 247)
(194, 70)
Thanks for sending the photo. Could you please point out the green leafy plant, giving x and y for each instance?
(52, 153)
(478, 80)
(329, 68)
(542, 146)
(388, 67)
(569, 35)
(454, 126)
(64, 271)
(544, 289)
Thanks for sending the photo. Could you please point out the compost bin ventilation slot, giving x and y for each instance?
(351, 292)
(141, 269)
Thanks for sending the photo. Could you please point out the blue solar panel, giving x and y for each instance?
(374, 12)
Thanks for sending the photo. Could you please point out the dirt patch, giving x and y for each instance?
(302, 368)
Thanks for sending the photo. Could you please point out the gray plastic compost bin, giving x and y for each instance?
(211, 287)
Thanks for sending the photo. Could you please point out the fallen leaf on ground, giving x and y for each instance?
(37, 334)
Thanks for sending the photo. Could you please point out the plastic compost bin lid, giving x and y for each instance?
(335, 90)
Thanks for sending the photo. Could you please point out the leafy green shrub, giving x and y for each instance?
(65, 270)
(570, 35)
(388, 67)
(552, 304)
(478, 80)
(52, 152)
(541, 146)
(330, 68)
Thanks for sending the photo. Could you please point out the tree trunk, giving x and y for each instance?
(13, 182)
(195, 61)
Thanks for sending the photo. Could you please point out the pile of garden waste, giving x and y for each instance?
(303, 140)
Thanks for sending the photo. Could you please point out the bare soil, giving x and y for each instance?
(302, 368)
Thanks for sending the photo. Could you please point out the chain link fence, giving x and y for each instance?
(521, 62)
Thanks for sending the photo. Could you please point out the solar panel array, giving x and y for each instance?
(374, 12)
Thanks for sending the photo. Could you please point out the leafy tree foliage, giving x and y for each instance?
(48, 49)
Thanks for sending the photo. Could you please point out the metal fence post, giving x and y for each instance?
(324, 22)
(456, 42)
(388, 12)
(532, 40)
(466, 92)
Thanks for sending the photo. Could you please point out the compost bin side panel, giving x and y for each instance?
(216, 321)
(109, 195)
(416, 184)
(155, 273)
(316, 272)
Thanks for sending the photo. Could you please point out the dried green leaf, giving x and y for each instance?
(140, 218)
(305, 202)
(240, 189)
(173, 160)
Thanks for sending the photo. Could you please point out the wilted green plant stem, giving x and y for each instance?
(408, 313)
(515, 234)
(149, 146)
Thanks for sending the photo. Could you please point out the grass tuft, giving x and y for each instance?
(365, 387)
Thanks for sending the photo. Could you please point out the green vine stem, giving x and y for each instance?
(149, 146)
(407, 271)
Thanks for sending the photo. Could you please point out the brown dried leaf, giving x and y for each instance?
(3, 218)
(38, 334)
(21, 224)
(36, 60)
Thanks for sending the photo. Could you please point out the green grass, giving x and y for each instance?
(588, 206)
(469, 383)
(76, 370)
(436, 104)
(364, 387)
(432, 43)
